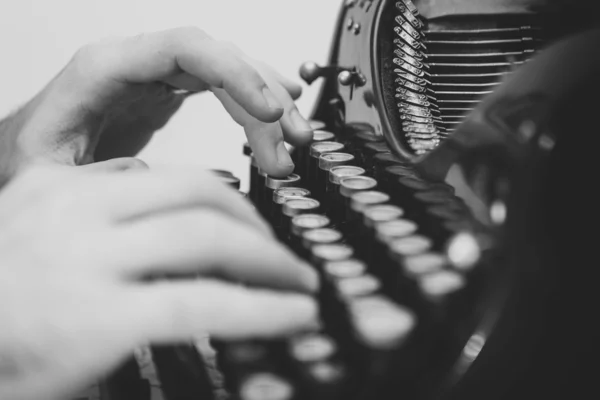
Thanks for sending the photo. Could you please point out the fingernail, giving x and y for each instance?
(283, 156)
(299, 122)
(271, 100)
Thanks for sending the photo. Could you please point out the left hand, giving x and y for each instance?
(113, 95)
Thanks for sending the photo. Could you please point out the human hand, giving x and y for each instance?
(113, 95)
(77, 250)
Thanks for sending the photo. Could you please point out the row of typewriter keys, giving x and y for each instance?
(375, 231)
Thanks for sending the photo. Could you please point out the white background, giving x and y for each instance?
(38, 37)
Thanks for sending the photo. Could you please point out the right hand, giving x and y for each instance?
(76, 246)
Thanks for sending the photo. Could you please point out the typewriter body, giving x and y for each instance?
(429, 204)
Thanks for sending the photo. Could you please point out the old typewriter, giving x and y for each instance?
(430, 201)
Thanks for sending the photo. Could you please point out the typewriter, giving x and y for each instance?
(432, 203)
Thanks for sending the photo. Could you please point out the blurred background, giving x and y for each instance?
(38, 37)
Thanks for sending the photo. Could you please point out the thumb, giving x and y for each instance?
(115, 165)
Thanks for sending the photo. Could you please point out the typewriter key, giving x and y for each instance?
(350, 268)
(313, 237)
(301, 154)
(423, 264)
(380, 323)
(355, 184)
(326, 162)
(330, 252)
(464, 251)
(280, 196)
(364, 285)
(312, 347)
(266, 386)
(381, 213)
(301, 224)
(271, 185)
(316, 150)
(336, 201)
(409, 246)
(439, 285)
(389, 231)
(362, 200)
(297, 206)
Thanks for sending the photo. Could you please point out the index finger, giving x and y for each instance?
(160, 55)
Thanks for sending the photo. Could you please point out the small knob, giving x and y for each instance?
(346, 78)
(310, 71)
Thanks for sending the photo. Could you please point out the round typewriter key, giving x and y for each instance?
(350, 268)
(388, 231)
(439, 285)
(463, 251)
(326, 162)
(297, 206)
(355, 184)
(362, 200)
(365, 285)
(380, 323)
(316, 124)
(335, 200)
(423, 264)
(301, 154)
(266, 386)
(294, 207)
(336, 174)
(409, 246)
(331, 252)
(305, 222)
(316, 150)
(301, 224)
(381, 213)
(271, 185)
(330, 160)
(281, 195)
(315, 237)
(313, 347)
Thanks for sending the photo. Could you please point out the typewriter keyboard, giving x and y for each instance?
(399, 266)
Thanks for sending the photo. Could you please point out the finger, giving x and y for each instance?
(137, 194)
(208, 243)
(294, 89)
(266, 140)
(115, 165)
(161, 55)
(176, 311)
(296, 129)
